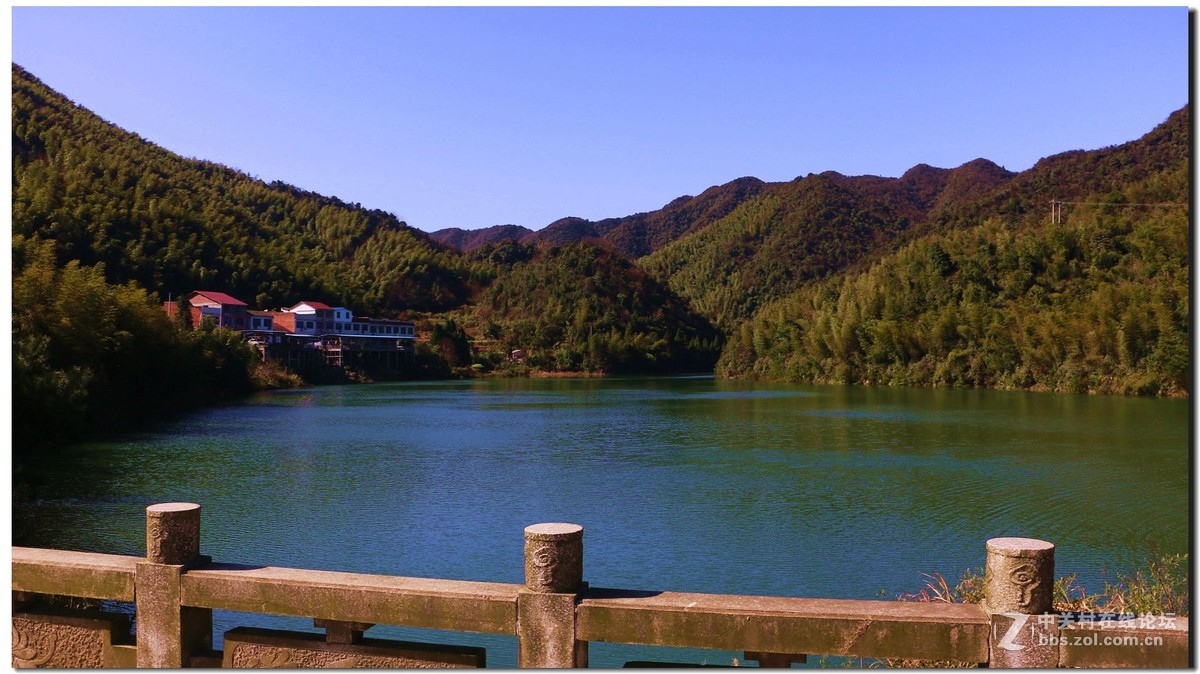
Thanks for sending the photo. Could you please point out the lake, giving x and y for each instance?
(685, 483)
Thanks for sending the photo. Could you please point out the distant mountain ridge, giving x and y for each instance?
(634, 235)
(641, 234)
(920, 193)
(804, 230)
(467, 240)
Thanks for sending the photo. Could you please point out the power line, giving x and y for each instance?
(1106, 203)
(1056, 206)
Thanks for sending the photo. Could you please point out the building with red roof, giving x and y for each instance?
(225, 311)
(306, 321)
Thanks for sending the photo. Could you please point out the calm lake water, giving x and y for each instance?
(688, 484)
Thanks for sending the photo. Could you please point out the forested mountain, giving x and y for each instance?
(795, 233)
(789, 234)
(740, 246)
(171, 224)
(581, 307)
(121, 210)
(467, 240)
(91, 357)
(634, 235)
(998, 294)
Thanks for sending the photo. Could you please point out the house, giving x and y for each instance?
(342, 318)
(318, 318)
(306, 321)
(261, 320)
(382, 327)
(225, 311)
(262, 328)
(312, 318)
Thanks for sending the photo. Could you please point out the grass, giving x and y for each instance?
(270, 374)
(1160, 587)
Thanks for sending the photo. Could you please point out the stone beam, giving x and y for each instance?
(863, 628)
(355, 597)
(77, 574)
(1159, 647)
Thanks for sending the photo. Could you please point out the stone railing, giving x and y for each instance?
(553, 615)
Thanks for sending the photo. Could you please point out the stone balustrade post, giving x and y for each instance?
(167, 632)
(1019, 597)
(546, 624)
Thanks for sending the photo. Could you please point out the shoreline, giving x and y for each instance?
(566, 374)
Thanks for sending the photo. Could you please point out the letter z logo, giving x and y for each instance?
(1008, 642)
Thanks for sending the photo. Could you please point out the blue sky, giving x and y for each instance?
(470, 117)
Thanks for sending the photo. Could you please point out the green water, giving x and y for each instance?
(684, 484)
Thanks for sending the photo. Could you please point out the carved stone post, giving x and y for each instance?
(168, 633)
(1019, 595)
(546, 605)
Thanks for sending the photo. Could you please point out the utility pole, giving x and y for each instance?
(1056, 212)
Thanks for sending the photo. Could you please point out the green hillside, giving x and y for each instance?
(788, 235)
(1097, 303)
(172, 225)
(583, 308)
(110, 203)
(92, 357)
(793, 234)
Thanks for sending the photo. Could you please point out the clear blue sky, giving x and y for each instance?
(470, 117)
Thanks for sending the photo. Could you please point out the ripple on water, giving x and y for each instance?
(689, 484)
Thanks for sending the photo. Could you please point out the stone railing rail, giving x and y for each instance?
(553, 615)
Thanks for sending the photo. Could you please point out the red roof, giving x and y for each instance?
(219, 298)
(316, 305)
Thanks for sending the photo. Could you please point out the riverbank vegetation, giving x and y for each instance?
(1158, 586)
(92, 357)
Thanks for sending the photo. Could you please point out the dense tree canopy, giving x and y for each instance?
(172, 225)
(1098, 302)
(95, 357)
(582, 307)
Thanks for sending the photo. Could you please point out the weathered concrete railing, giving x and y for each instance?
(553, 615)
